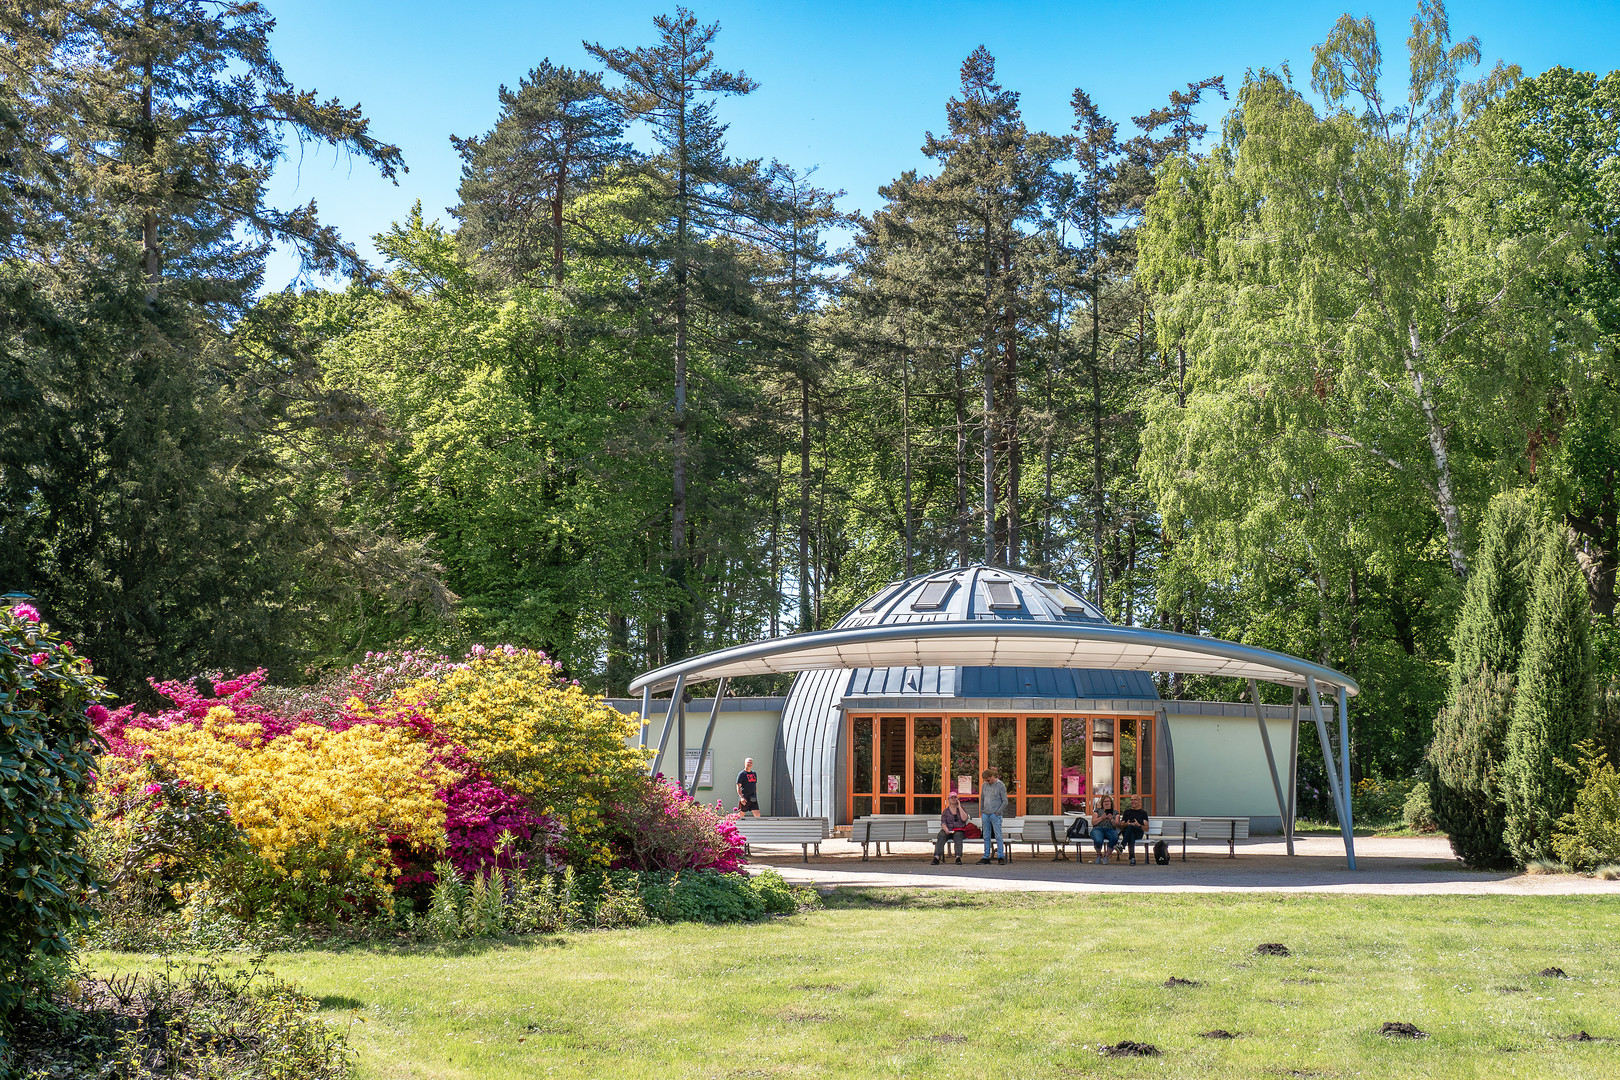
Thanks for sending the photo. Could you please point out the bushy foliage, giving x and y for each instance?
(1465, 762)
(154, 826)
(316, 805)
(1416, 811)
(47, 757)
(202, 1021)
(571, 754)
(657, 826)
(1589, 835)
(1380, 801)
(1465, 757)
(1553, 702)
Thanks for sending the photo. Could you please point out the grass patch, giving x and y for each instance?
(917, 982)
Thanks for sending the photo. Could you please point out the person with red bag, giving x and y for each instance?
(953, 825)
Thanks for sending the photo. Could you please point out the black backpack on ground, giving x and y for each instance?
(1161, 853)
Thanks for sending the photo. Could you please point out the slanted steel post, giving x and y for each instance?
(680, 739)
(1293, 768)
(669, 724)
(1344, 757)
(714, 714)
(1332, 771)
(1265, 741)
(646, 708)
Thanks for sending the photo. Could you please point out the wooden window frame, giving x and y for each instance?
(1146, 734)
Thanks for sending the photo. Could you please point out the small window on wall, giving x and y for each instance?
(881, 598)
(933, 595)
(1070, 604)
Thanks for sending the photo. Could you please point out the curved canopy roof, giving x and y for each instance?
(998, 643)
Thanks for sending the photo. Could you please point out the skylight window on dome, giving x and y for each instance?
(1003, 597)
(933, 594)
(1071, 604)
(883, 597)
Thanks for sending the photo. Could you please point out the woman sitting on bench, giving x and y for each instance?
(953, 824)
(1105, 829)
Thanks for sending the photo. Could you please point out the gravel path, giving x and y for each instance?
(1385, 866)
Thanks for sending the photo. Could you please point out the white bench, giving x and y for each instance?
(803, 831)
(1038, 829)
(1230, 829)
(880, 829)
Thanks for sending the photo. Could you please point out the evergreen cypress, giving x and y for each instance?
(1552, 710)
(1465, 758)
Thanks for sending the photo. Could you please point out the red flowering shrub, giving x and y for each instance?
(661, 828)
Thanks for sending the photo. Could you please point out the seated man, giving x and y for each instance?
(1105, 829)
(953, 824)
(1134, 826)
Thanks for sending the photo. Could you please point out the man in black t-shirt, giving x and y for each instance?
(748, 788)
(1135, 826)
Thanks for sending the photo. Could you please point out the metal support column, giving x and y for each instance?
(669, 724)
(680, 741)
(1332, 771)
(1293, 769)
(1344, 758)
(646, 708)
(714, 714)
(1265, 741)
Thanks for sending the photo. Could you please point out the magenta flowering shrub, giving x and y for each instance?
(484, 824)
(662, 828)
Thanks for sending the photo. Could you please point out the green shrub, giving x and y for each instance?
(1416, 811)
(1588, 836)
(47, 757)
(775, 894)
(1552, 702)
(1465, 762)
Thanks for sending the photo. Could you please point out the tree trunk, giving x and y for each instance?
(1450, 516)
(806, 615)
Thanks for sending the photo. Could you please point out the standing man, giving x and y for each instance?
(992, 804)
(748, 788)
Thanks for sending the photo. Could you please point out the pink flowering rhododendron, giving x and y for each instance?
(26, 612)
(484, 824)
(660, 827)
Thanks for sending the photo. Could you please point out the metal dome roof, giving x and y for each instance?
(972, 592)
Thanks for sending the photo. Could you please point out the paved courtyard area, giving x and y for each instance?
(1413, 866)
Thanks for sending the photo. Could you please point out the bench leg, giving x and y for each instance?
(806, 848)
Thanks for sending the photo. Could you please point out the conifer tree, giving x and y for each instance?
(1552, 708)
(671, 87)
(1466, 757)
(557, 132)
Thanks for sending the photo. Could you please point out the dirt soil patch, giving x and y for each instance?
(1552, 973)
(1172, 982)
(1272, 948)
(1400, 1029)
(1130, 1049)
(1217, 1033)
(1581, 1036)
(944, 1040)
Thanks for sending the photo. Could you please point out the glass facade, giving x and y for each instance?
(1050, 763)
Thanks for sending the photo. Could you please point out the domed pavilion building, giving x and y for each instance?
(932, 680)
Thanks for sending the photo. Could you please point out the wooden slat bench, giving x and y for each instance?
(880, 829)
(1038, 829)
(803, 831)
(1230, 829)
(1169, 829)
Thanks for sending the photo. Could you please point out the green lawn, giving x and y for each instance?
(922, 984)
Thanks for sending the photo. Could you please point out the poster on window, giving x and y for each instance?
(893, 787)
(1125, 784)
(1071, 785)
(707, 779)
(964, 784)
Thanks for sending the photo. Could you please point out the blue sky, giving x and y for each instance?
(847, 87)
